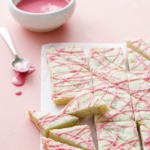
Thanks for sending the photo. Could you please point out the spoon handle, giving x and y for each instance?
(6, 36)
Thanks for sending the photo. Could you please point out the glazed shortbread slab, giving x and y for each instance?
(117, 136)
(141, 47)
(86, 103)
(119, 103)
(66, 86)
(49, 144)
(145, 134)
(139, 89)
(114, 76)
(45, 121)
(78, 136)
(66, 59)
(103, 57)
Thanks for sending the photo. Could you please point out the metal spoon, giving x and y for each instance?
(19, 64)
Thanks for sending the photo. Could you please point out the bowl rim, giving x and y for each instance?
(41, 14)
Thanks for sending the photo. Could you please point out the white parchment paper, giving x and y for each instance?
(46, 102)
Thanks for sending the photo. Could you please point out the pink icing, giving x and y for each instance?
(42, 6)
(147, 141)
(20, 77)
(18, 93)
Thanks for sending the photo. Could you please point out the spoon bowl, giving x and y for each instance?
(18, 64)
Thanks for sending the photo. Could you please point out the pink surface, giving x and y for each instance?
(93, 21)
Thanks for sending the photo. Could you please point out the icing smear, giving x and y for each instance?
(20, 78)
(18, 93)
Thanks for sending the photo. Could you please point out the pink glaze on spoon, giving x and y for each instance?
(20, 77)
(21, 65)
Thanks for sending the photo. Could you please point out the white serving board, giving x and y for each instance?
(46, 102)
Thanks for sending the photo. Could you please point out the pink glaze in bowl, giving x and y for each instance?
(41, 22)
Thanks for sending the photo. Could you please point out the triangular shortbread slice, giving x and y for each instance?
(49, 144)
(86, 104)
(78, 136)
(45, 121)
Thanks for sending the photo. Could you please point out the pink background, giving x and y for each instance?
(94, 21)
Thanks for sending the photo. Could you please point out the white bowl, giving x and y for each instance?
(41, 22)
